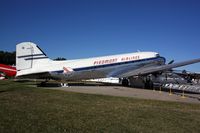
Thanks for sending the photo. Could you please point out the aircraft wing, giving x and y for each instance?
(153, 69)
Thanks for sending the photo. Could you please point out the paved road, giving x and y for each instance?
(132, 92)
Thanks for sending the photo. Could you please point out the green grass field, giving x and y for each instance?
(33, 110)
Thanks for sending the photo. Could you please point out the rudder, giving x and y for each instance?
(29, 55)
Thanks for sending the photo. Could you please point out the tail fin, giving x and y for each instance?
(29, 55)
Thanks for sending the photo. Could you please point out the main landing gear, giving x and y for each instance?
(48, 83)
(125, 82)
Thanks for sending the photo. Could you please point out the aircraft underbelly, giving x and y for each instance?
(81, 75)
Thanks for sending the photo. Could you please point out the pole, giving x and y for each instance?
(170, 91)
(160, 89)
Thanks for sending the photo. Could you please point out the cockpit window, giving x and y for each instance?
(157, 55)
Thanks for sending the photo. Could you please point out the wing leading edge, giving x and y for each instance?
(153, 69)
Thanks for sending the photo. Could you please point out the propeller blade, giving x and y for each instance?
(172, 61)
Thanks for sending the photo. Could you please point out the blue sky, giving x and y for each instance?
(86, 28)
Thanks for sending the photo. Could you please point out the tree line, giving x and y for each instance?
(9, 58)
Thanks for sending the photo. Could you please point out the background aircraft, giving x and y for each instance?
(7, 71)
(32, 62)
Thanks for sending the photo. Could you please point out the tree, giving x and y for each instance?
(60, 58)
(7, 58)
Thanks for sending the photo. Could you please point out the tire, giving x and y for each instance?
(125, 82)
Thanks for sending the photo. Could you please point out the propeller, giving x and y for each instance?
(171, 62)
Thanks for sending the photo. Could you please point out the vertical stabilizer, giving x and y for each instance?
(29, 55)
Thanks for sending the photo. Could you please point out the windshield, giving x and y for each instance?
(157, 55)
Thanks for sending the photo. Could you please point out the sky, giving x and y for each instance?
(86, 28)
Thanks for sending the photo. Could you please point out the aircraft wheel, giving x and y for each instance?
(125, 82)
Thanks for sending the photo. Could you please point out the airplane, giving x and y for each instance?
(32, 62)
(7, 71)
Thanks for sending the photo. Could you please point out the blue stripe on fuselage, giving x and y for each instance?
(36, 58)
(113, 64)
(32, 55)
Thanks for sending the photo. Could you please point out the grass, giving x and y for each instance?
(33, 110)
